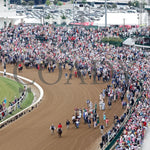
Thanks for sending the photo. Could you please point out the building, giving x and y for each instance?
(36, 2)
(121, 2)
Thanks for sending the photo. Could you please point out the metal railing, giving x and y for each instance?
(111, 141)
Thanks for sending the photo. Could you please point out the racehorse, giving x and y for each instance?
(27, 64)
(59, 131)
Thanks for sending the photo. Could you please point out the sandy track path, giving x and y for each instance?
(31, 132)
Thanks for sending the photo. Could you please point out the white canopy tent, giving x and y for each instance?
(129, 42)
(146, 142)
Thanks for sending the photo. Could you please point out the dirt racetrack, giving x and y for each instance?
(31, 132)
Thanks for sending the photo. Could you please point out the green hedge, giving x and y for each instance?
(113, 41)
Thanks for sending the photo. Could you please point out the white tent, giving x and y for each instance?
(146, 143)
(118, 19)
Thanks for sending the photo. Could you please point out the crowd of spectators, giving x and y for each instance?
(46, 46)
(134, 130)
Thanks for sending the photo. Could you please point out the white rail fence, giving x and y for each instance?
(26, 110)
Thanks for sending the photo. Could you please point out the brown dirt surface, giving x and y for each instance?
(31, 132)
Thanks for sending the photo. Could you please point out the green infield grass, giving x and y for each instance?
(9, 89)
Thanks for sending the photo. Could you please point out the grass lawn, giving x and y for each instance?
(9, 89)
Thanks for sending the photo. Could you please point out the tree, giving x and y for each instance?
(84, 1)
(47, 2)
(63, 17)
(55, 2)
(59, 3)
(31, 3)
(136, 4)
(9, 24)
(48, 17)
(113, 41)
(24, 3)
(108, 6)
(114, 5)
(144, 4)
(130, 3)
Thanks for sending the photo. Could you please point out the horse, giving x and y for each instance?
(27, 65)
(59, 131)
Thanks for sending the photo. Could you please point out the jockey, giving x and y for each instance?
(20, 65)
(59, 126)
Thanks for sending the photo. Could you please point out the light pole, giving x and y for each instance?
(141, 12)
(105, 13)
(124, 22)
(138, 17)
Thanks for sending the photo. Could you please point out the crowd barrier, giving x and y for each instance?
(28, 109)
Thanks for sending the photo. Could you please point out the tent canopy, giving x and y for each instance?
(129, 42)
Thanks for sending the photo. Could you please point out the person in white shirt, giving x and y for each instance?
(100, 104)
(52, 128)
(101, 96)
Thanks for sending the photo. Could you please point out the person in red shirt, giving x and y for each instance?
(75, 74)
(59, 126)
(59, 130)
(144, 123)
(20, 67)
